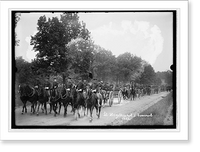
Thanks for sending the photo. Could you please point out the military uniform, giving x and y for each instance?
(94, 87)
(69, 85)
(36, 84)
(85, 85)
(80, 86)
(47, 86)
(55, 84)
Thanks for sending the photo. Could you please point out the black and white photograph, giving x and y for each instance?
(104, 70)
(94, 69)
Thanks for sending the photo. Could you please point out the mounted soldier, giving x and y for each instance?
(55, 83)
(47, 86)
(37, 83)
(94, 86)
(69, 84)
(80, 85)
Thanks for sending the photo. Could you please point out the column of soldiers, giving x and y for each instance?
(82, 85)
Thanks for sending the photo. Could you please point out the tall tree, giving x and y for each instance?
(148, 76)
(130, 66)
(104, 62)
(82, 53)
(52, 38)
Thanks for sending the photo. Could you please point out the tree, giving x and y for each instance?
(24, 73)
(17, 18)
(104, 63)
(130, 67)
(166, 77)
(51, 40)
(148, 76)
(82, 53)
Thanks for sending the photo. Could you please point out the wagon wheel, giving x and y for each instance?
(110, 98)
(119, 97)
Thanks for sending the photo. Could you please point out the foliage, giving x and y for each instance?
(148, 77)
(64, 48)
(82, 56)
(17, 18)
(24, 73)
(51, 39)
(130, 67)
(104, 64)
(166, 77)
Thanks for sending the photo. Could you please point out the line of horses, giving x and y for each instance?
(86, 100)
(137, 92)
(57, 97)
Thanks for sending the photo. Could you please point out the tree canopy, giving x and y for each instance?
(51, 40)
(64, 47)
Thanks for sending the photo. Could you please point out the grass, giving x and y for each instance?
(155, 114)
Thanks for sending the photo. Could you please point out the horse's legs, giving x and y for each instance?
(78, 109)
(32, 107)
(45, 107)
(76, 113)
(59, 108)
(38, 108)
(23, 108)
(99, 111)
(50, 108)
(65, 109)
(54, 109)
(91, 111)
(42, 107)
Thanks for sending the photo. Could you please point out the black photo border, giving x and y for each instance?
(13, 70)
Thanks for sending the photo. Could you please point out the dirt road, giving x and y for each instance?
(116, 115)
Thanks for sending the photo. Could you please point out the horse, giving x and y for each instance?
(79, 103)
(54, 100)
(94, 100)
(65, 98)
(104, 96)
(125, 93)
(28, 93)
(132, 93)
(43, 98)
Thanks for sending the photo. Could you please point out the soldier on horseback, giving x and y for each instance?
(94, 86)
(95, 90)
(69, 84)
(47, 86)
(37, 83)
(55, 83)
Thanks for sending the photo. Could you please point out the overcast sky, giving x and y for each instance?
(144, 34)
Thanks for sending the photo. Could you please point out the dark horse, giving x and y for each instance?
(132, 93)
(43, 98)
(28, 93)
(66, 98)
(79, 102)
(94, 100)
(54, 101)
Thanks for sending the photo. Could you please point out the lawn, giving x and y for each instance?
(156, 114)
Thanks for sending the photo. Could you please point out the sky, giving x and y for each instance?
(145, 34)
